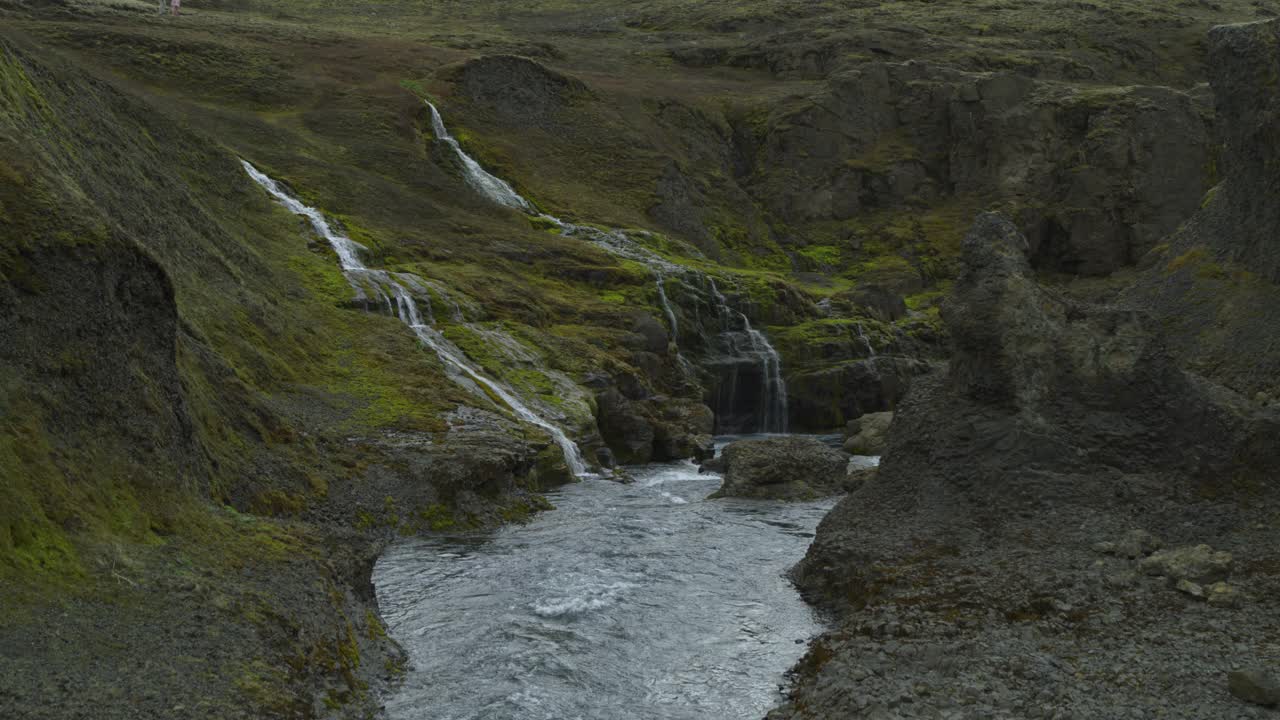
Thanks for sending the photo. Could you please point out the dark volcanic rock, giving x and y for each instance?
(824, 398)
(1055, 422)
(653, 429)
(782, 468)
(1244, 66)
(519, 89)
(1097, 175)
(1047, 403)
(1215, 284)
(1255, 686)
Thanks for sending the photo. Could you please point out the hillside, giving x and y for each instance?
(207, 434)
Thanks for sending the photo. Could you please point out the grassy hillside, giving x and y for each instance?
(202, 441)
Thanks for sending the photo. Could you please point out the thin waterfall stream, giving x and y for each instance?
(770, 411)
(390, 289)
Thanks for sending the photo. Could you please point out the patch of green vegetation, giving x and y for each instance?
(1194, 257)
(1209, 196)
(437, 518)
(927, 300)
(827, 256)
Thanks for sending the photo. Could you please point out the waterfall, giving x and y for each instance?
(666, 308)
(773, 410)
(862, 334)
(390, 290)
(772, 414)
(496, 189)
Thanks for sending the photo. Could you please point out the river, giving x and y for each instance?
(626, 601)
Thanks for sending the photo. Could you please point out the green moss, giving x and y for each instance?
(438, 518)
(927, 300)
(278, 503)
(823, 255)
(1193, 257)
(1209, 196)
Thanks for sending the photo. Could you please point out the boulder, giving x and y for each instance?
(782, 468)
(624, 428)
(1255, 686)
(649, 335)
(1135, 544)
(654, 429)
(1223, 595)
(1198, 564)
(682, 429)
(868, 434)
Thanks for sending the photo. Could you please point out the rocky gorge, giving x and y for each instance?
(286, 283)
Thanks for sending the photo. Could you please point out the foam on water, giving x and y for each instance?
(584, 600)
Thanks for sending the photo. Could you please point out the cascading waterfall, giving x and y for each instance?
(494, 188)
(391, 291)
(862, 334)
(660, 282)
(772, 411)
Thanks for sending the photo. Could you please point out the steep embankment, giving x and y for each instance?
(188, 402)
(1215, 284)
(995, 565)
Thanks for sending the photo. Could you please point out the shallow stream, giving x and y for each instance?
(626, 601)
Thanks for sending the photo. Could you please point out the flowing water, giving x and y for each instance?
(626, 602)
(769, 410)
(866, 341)
(395, 292)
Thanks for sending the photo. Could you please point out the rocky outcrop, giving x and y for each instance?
(521, 90)
(1244, 62)
(782, 468)
(868, 434)
(1215, 285)
(653, 429)
(1040, 389)
(824, 399)
(1096, 176)
(1055, 421)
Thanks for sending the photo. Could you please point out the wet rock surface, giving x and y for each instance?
(653, 429)
(782, 468)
